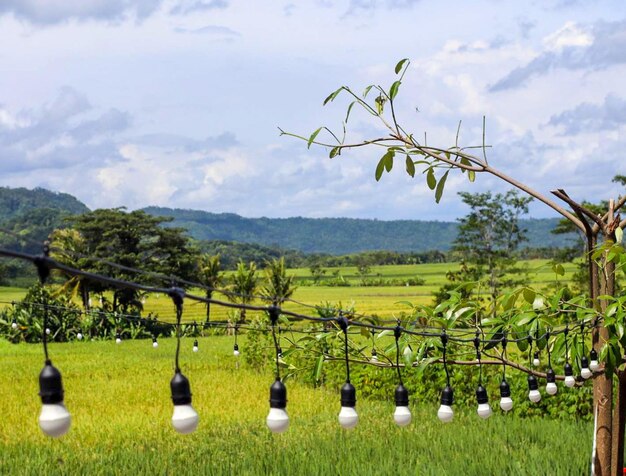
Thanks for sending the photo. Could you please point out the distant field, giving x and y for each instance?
(379, 300)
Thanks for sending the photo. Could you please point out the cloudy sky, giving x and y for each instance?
(178, 102)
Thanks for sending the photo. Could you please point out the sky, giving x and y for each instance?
(177, 103)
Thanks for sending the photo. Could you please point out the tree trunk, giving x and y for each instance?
(209, 294)
(619, 421)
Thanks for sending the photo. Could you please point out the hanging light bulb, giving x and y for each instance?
(536, 360)
(348, 417)
(551, 387)
(118, 338)
(185, 418)
(48, 331)
(155, 343)
(13, 325)
(445, 412)
(374, 358)
(584, 368)
(484, 410)
(54, 419)
(533, 389)
(236, 350)
(593, 364)
(280, 352)
(402, 415)
(570, 381)
(195, 346)
(277, 419)
(505, 396)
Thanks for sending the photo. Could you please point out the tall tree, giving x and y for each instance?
(278, 286)
(243, 286)
(210, 274)
(69, 247)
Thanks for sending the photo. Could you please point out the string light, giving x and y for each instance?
(483, 410)
(533, 389)
(536, 361)
(506, 403)
(185, 418)
(79, 336)
(585, 373)
(118, 338)
(236, 346)
(348, 417)
(277, 419)
(551, 388)
(570, 381)
(155, 342)
(594, 366)
(402, 413)
(195, 347)
(374, 358)
(445, 412)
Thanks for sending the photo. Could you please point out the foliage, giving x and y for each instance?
(210, 275)
(243, 286)
(278, 286)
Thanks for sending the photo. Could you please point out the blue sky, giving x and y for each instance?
(177, 103)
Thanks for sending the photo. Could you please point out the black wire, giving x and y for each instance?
(444, 341)
(276, 349)
(179, 314)
(397, 335)
(44, 338)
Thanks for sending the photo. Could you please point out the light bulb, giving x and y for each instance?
(236, 350)
(185, 418)
(277, 419)
(348, 417)
(445, 412)
(593, 364)
(48, 331)
(79, 336)
(195, 345)
(570, 381)
(536, 360)
(155, 343)
(484, 410)
(14, 325)
(402, 414)
(533, 389)
(584, 368)
(118, 340)
(54, 419)
(374, 356)
(505, 396)
(551, 387)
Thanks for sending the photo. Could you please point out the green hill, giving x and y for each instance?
(339, 235)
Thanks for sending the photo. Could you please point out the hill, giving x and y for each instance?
(339, 235)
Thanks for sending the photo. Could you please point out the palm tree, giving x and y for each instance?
(278, 286)
(210, 274)
(68, 247)
(243, 286)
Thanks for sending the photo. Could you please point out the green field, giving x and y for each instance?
(119, 399)
(380, 300)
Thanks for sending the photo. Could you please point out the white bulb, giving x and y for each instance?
(118, 340)
(570, 381)
(185, 419)
(195, 348)
(348, 418)
(402, 416)
(54, 419)
(534, 396)
(594, 365)
(236, 353)
(445, 413)
(14, 325)
(155, 344)
(536, 362)
(79, 336)
(506, 403)
(277, 420)
(484, 410)
(586, 373)
(47, 331)
(551, 388)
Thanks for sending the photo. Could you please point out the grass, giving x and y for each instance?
(119, 399)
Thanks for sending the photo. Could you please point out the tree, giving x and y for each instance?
(210, 274)
(278, 285)
(69, 247)
(489, 236)
(436, 163)
(243, 286)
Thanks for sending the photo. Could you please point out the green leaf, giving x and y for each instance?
(522, 345)
(529, 295)
(313, 136)
(400, 65)
(367, 90)
(331, 97)
(410, 166)
(619, 235)
(440, 186)
(380, 104)
(380, 168)
(349, 109)
(538, 303)
(388, 158)
(393, 91)
(317, 370)
(431, 181)
(471, 175)
(335, 151)
(558, 269)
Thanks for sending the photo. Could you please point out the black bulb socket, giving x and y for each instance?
(481, 395)
(584, 362)
(593, 355)
(235, 348)
(195, 343)
(447, 396)
(568, 370)
(181, 390)
(50, 384)
(374, 353)
(278, 394)
(550, 376)
(505, 389)
(348, 395)
(532, 383)
(536, 355)
(402, 396)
